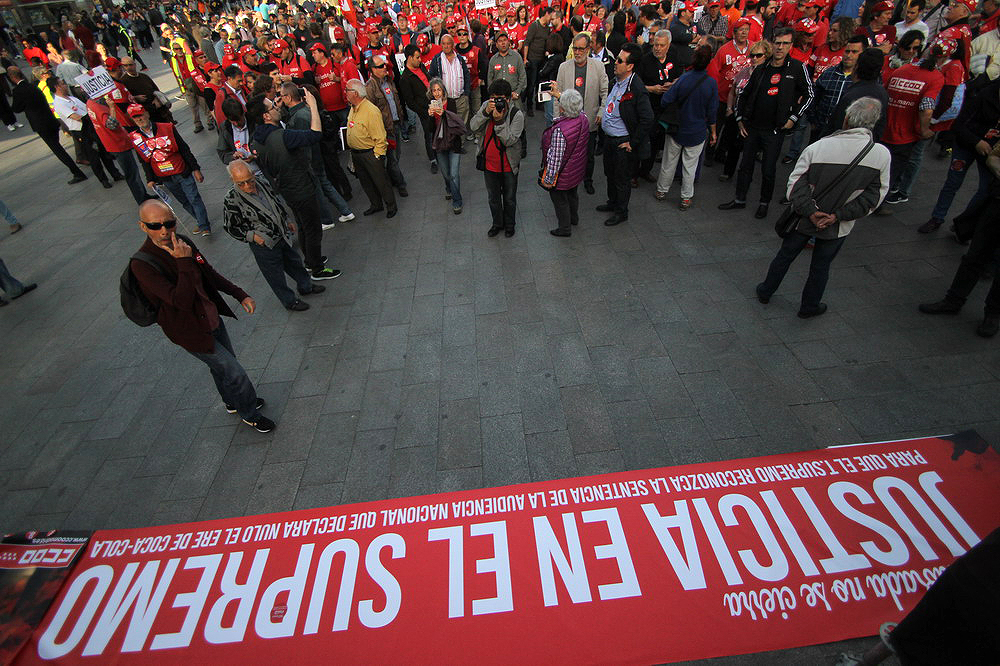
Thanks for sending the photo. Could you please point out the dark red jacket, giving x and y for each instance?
(179, 295)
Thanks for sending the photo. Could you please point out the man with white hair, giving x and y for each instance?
(367, 140)
(254, 214)
(836, 181)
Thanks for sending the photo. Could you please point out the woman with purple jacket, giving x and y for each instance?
(564, 145)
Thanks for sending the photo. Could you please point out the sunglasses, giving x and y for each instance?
(462, 32)
(757, 55)
(621, 62)
(382, 66)
(156, 226)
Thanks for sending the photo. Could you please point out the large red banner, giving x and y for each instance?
(643, 566)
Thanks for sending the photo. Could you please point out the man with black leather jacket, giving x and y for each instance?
(778, 93)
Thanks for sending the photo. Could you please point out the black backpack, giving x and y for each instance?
(134, 303)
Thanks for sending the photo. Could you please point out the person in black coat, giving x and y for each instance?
(626, 123)
(31, 101)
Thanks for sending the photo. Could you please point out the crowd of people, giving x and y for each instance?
(852, 92)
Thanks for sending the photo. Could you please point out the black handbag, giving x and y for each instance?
(670, 116)
(789, 219)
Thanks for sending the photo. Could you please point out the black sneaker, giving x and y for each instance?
(260, 405)
(326, 274)
(989, 327)
(316, 289)
(298, 306)
(434, 166)
(896, 198)
(940, 307)
(261, 424)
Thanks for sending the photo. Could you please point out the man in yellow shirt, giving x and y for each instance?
(367, 141)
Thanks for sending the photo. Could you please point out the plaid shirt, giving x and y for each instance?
(829, 88)
(721, 28)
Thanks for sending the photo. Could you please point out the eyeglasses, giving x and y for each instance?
(580, 49)
(156, 226)
(782, 43)
(462, 32)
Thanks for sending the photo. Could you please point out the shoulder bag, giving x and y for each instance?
(789, 219)
(670, 117)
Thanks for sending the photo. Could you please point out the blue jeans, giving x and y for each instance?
(448, 163)
(961, 159)
(230, 378)
(798, 138)
(7, 214)
(912, 167)
(274, 262)
(9, 283)
(819, 267)
(332, 195)
(133, 177)
(185, 190)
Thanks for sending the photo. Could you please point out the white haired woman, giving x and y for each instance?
(564, 145)
(447, 141)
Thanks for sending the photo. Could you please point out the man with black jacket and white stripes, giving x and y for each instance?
(778, 93)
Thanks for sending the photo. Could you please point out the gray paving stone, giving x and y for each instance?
(570, 359)
(331, 449)
(390, 348)
(540, 402)
(313, 378)
(380, 405)
(459, 325)
(276, 487)
(498, 392)
(717, 406)
(587, 419)
(195, 476)
(459, 373)
(299, 421)
(413, 472)
(315, 497)
(460, 440)
(368, 471)
(505, 457)
(347, 385)
(417, 424)
(232, 488)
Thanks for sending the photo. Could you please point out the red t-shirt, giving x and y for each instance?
(331, 93)
(886, 34)
(728, 60)
(801, 56)
(788, 13)
(823, 58)
(114, 141)
(756, 29)
(908, 85)
(954, 75)
(496, 159)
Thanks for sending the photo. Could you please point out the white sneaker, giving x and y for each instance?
(346, 218)
(329, 226)
(11, 128)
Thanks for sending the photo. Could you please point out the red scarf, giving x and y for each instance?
(420, 75)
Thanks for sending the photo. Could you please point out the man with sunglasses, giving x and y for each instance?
(184, 288)
(778, 93)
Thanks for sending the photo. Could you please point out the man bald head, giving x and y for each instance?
(158, 222)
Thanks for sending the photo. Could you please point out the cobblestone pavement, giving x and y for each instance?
(445, 360)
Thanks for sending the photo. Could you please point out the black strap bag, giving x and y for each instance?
(134, 303)
(789, 219)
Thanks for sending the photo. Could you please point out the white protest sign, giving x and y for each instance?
(96, 82)
(485, 4)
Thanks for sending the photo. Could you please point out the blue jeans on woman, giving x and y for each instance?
(448, 163)
(8, 283)
(7, 214)
(819, 268)
(185, 190)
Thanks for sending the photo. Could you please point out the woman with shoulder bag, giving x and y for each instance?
(696, 94)
(447, 141)
(500, 125)
(564, 145)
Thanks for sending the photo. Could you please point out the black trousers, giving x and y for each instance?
(501, 189)
(274, 263)
(374, 179)
(567, 205)
(307, 218)
(51, 140)
(656, 138)
(768, 141)
(618, 171)
(900, 156)
(982, 250)
(531, 68)
(428, 126)
(7, 116)
(94, 152)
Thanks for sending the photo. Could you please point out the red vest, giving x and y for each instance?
(295, 68)
(160, 150)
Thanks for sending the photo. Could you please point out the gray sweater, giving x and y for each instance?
(508, 131)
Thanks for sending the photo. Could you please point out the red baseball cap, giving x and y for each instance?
(714, 3)
(111, 63)
(135, 110)
(740, 22)
(199, 54)
(318, 47)
(247, 50)
(970, 4)
(884, 6)
(338, 33)
(681, 6)
(449, 22)
(211, 67)
(277, 45)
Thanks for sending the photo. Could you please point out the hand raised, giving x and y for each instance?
(180, 249)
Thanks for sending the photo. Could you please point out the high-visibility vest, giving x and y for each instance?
(189, 61)
(160, 150)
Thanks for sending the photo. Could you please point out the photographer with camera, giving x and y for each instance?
(500, 125)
